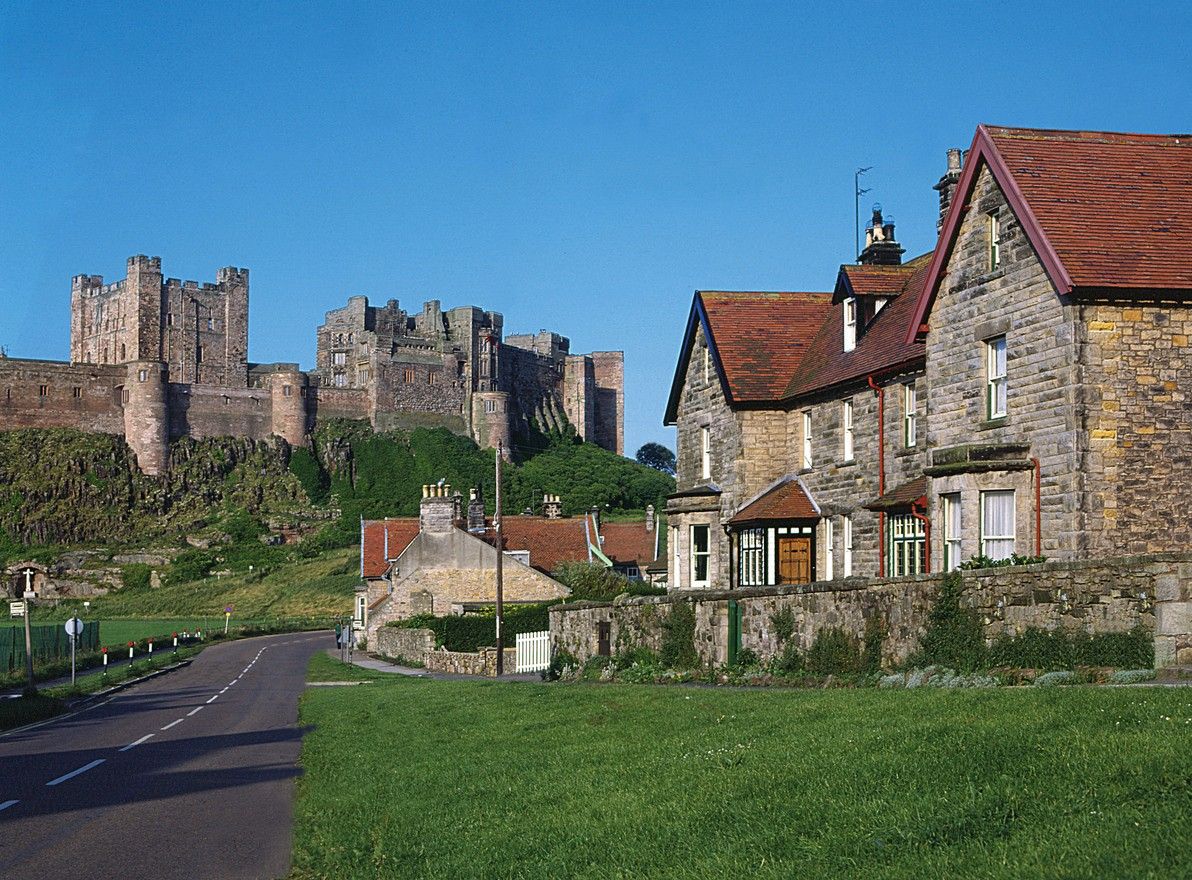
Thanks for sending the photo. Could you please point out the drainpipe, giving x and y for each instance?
(1038, 509)
(881, 472)
(921, 517)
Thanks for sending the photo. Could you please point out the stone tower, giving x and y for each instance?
(147, 415)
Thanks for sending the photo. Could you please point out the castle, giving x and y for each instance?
(157, 358)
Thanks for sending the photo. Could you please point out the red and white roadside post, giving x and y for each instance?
(105, 661)
(151, 650)
(175, 643)
(130, 649)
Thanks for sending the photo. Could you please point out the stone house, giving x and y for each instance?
(1056, 316)
(800, 431)
(444, 560)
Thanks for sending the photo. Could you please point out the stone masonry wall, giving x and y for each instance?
(418, 645)
(399, 642)
(46, 394)
(1090, 596)
(1044, 396)
(1138, 366)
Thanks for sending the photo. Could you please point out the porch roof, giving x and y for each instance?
(906, 494)
(787, 500)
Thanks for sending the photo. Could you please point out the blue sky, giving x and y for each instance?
(577, 167)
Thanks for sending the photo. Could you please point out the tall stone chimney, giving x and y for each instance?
(552, 506)
(947, 184)
(436, 513)
(475, 512)
(880, 247)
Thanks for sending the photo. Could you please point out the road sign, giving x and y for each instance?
(16, 609)
(74, 627)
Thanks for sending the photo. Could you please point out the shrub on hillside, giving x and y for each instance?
(135, 576)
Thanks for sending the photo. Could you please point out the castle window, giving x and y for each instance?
(225, 400)
(142, 375)
(198, 354)
(339, 359)
(339, 339)
(490, 406)
(76, 392)
(432, 378)
(995, 240)
(351, 338)
(341, 380)
(909, 426)
(210, 323)
(105, 354)
(846, 419)
(286, 390)
(407, 375)
(850, 324)
(43, 390)
(123, 352)
(995, 378)
(124, 395)
(169, 319)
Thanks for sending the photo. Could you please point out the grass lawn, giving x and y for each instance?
(421, 778)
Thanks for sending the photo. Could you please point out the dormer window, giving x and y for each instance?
(850, 324)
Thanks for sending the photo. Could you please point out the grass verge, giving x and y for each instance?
(486, 779)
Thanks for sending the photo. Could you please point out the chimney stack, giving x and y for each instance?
(475, 512)
(436, 513)
(947, 184)
(552, 506)
(649, 517)
(880, 247)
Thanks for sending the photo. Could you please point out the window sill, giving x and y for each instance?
(848, 463)
(906, 450)
(993, 424)
(803, 471)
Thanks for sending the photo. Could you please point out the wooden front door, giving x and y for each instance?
(794, 560)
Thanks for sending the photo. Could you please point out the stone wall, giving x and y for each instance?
(1138, 366)
(1045, 399)
(51, 394)
(1088, 596)
(418, 645)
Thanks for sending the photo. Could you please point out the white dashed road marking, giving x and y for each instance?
(213, 699)
(7, 804)
(133, 745)
(73, 773)
(172, 723)
(193, 711)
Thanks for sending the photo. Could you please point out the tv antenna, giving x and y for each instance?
(857, 193)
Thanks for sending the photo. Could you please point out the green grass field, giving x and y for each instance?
(422, 778)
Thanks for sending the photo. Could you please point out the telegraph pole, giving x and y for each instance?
(857, 193)
(28, 631)
(500, 569)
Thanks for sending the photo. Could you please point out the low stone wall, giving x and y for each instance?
(418, 645)
(1092, 596)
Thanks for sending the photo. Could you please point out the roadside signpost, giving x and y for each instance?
(228, 617)
(105, 661)
(16, 609)
(74, 629)
(29, 597)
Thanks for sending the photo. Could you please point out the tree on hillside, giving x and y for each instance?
(657, 456)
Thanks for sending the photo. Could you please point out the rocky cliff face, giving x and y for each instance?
(61, 486)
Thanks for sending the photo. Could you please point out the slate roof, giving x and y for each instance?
(1105, 211)
(760, 338)
(787, 500)
(402, 530)
(882, 346)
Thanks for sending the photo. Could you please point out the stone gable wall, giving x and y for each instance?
(1088, 596)
(1138, 366)
(1045, 401)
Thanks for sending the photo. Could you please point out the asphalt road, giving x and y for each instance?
(188, 775)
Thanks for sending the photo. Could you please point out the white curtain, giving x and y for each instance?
(997, 524)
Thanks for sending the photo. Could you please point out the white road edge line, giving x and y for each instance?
(172, 723)
(73, 773)
(193, 711)
(213, 699)
(7, 804)
(133, 745)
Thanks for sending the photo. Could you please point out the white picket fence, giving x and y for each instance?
(533, 651)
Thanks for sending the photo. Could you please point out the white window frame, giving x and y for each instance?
(705, 435)
(751, 555)
(361, 605)
(995, 240)
(996, 391)
(953, 525)
(998, 546)
(678, 552)
(696, 555)
(909, 421)
(850, 323)
(829, 555)
(846, 421)
(846, 563)
(807, 439)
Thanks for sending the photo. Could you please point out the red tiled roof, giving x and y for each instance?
(627, 542)
(881, 347)
(1115, 207)
(787, 500)
(876, 280)
(1103, 210)
(402, 530)
(760, 338)
(901, 496)
(549, 541)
